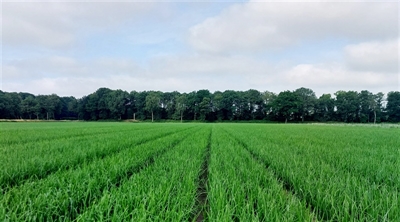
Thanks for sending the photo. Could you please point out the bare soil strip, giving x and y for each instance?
(201, 194)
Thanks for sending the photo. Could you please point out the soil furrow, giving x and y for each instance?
(201, 193)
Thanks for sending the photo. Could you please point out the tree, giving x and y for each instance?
(393, 106)
(325, 108)
(52, 105)
(152, 103)
(103, 109)
(82, 112)
(28, 106)
(298, 105)
(199, 96)
(138, 104)
(241, 107)
(254, 104)
(204, 108)
(307, 101)
(286, 104)
(191, 105)
(168, 104)
(91, 106)
(131, 106)
(228, 104)
(217, 104)
(69, 108)
(376, 105)
(347, 105)
(180, 105)
(117, 101)
(366, 100)
(268, 99)
(10, 105)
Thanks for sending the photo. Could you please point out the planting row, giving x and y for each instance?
(318, 173)
(241, 189)
(38, 160)
(196, 172)
(164, 191)
(65, 194)
(27, 133)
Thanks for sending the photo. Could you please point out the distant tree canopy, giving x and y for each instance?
(288, 106)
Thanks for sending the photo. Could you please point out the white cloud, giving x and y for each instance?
(9, 72)
(54, 66)
(213, 73)
(330, 77)
(115, 66)
(203, 64)
(185, 73)
(59, 24)
(258, 26)
(168, 73)
(374, 56)
(242, 40)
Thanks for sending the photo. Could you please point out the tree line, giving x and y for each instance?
(295, 106)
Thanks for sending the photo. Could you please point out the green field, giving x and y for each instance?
(89, 171)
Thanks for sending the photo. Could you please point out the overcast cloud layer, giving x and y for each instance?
(74, 48)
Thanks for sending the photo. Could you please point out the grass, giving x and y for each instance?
(87, 171)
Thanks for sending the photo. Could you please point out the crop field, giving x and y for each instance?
(100, 171)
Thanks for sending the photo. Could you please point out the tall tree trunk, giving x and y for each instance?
(47, 115)
(152, 116)
(374, 116)
(286, 120)
(181, 116)
(134, 116)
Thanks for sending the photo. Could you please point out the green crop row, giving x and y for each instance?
(371, 153)
(29, 133)
(241, 189)
(198, 172)
(40, 159)
(164, 191)
(63, 195)
(315, 172)
(20, 133)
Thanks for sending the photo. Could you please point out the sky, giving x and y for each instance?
(72, 48)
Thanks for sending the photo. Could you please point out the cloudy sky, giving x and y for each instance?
(74, 48)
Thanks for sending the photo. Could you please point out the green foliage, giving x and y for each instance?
(393, 106)
(80, 171)
(152, 103)
(347, 104)
(344, 173)
(66, 192)
(242, 189)
(300, 105)
(286, 105)
(180, 106)
(204, 108)
(324, 108)
(307, 102)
